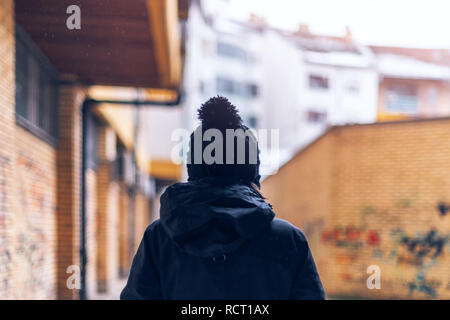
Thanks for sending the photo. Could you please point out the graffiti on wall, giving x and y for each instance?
(26, 225)
(443, 208)
(421, 247)
(350, 236)
(419, 253)
(5, 254)
(35, 216)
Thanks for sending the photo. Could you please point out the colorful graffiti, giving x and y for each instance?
(421, 285)
(443, 209)
(421, 251)
(429, 245)
(416, 258)
(350, 236)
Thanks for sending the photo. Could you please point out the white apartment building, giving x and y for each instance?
(338, 83)
(297, 82)
(221, 58)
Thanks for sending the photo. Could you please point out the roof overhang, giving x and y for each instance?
(121, 43)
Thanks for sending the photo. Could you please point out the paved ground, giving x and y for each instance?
(114, 292)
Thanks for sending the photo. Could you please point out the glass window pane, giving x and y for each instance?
(21, 79)
(36, 92)
(33, 92)
(44, 103)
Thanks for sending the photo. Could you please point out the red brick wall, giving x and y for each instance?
(91, 231)
(6, 144)
(34, 208)
(107, 224)
(69, 200)
(124, 231)
(27, 191)
(40, 198)
(369, 195)
(141, 218)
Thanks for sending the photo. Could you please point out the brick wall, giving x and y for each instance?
(112, 232)
(124, 231)
(27, 191)
(107, 224)
(141, 220)
(91, 231)
(40, 198)
(369, 195)
(33, 225)
(69, 190)
(7, 153)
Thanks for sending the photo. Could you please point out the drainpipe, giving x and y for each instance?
(86, 108)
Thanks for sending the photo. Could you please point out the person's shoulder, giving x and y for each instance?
(173, 188)
(285, 231)
(283, 226)
(153, 228)
(155, 234)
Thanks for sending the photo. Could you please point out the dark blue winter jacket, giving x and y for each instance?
(220, 240)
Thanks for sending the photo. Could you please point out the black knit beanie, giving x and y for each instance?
(218, 113)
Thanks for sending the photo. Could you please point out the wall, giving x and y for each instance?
(91, 231)
(142, 218)
(40, 197)
(33, 225)
(69, 182)
(6, 143)
(370, 195)
(124, 237)
(107, 223)
(27, 191)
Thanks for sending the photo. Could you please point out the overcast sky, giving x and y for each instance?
(413, 23)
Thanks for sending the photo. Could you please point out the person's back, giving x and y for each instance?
(217, 238)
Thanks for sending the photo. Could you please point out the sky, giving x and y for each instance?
(410, 23)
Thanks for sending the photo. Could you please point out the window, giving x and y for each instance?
(92, 127)
(352, 88)
(253, 89)
(252, 122)
(402, 99)
(225, 86)
(231, 51)
(36, 93)
(316, 116)
(232, 87)
(318, 82)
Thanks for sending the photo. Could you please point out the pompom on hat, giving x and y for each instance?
(218, 113)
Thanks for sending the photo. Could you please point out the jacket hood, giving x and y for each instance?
(210, 217)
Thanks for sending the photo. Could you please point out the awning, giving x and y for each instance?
(128, 43)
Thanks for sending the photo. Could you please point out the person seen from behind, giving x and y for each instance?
(217, 237)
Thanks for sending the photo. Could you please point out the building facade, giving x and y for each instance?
(414, 83)
(298, 83)
(76, 191)
(221, 58)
